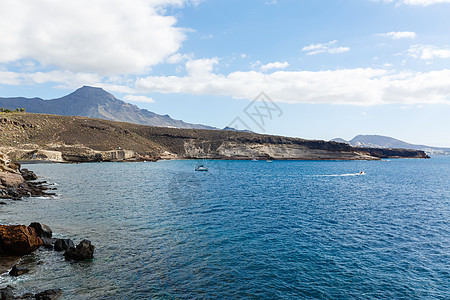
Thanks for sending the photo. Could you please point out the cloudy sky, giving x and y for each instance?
(328, 68)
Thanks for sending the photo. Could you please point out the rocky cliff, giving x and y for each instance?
(26, 136)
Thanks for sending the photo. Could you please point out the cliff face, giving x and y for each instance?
(78, 139)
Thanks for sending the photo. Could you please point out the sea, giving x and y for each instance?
(244, 230)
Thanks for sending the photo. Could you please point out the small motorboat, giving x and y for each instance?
(362, 173)
(269, 161)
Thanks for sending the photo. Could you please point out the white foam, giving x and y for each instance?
(340, 175)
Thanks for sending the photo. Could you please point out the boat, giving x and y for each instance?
(269, 160)
(362, 173)
(201, 168)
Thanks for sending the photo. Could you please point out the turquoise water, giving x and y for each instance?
(245, 230)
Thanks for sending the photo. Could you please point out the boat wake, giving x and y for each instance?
(341, 175)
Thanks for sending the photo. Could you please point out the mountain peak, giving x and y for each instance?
(95, 102)
(91, 94)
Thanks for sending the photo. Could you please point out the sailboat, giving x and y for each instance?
(203, 167)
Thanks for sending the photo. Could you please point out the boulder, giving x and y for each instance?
(7, 293)
(42, 230)
(48, 294)
(83, 251)
(18, 239)
(48, 242)
(28, 175)
(17, 271)
(63, 244)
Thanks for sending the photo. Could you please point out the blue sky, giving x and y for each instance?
(331, 68)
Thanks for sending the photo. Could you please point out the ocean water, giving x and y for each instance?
(245, 229)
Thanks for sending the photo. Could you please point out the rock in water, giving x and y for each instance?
(18, 239)
(48, 294)
(83, 251)
(7, 293)
(17, 271)
(63, 244)
(48, 242)
(42, 230)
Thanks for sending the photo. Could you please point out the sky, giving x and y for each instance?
(316, 69)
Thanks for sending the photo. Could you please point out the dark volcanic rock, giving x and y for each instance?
(393, 153)
(49, 294)
(7, 293)
(42, 230)
(18, 239)
(17, 271)
(83, 251)
(48, 242)
(28, 175)
(63, 244)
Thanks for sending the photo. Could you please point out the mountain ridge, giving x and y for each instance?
(94, 102)
(381, 141)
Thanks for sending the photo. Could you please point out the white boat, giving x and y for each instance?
(201, 168)
(269, 161)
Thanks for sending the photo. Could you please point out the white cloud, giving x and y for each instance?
(325, 48)
(201, 67)
(361, 86)
(207, 37)
(428, 52)
(135, 98)
(424, 2)
(106, 37)
(415, 2)
(338, 50)
(177, 58)
(63, 79)
(397, 35)
(274, 65)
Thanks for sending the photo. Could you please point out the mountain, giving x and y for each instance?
(380, 141)
(94, 102)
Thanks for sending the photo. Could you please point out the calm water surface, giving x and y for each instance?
(245, 230)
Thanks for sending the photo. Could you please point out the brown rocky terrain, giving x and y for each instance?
(25, 136)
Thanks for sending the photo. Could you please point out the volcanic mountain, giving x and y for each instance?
(95, 102)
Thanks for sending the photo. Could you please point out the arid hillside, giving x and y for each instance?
(27, 136)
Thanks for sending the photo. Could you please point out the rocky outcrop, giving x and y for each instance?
(18, 271)
(16, 183)
(236, 150)
(392, 153)
(42, 230)
(18, 239)
(83, 251)
(8, 293)
(63, 244)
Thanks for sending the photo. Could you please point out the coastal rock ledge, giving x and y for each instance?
(18, 239)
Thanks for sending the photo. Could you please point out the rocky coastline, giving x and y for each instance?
(17, 241)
